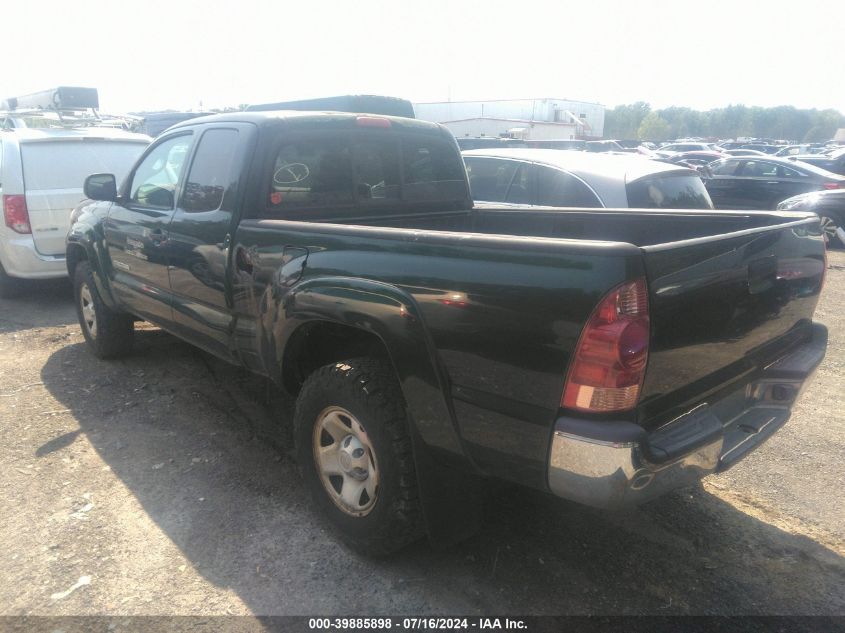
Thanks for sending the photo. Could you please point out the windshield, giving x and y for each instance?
(669, 191)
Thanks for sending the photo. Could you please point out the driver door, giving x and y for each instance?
(136, 229)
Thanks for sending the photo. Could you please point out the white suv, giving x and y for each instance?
(41, 175)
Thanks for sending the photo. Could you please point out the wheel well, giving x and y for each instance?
(75, 254)
(319, 343)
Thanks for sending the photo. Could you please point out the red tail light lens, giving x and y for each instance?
(834, 185)
(608, 368)
(16, 214)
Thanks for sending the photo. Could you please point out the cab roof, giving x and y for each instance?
(303, 117)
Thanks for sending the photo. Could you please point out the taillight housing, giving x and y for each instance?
(607, 370)
(16, 214)
(834, 185)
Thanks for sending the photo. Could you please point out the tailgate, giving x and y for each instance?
(54, 171)
(722, 308)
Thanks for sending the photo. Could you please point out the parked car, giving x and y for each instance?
(833, 161)
(37, 207)
(688, 147)
(829, 206)
(571, 144)
(434, 347)
(762, 183)
(695, 159)
(762, 147)
(794, 150)
(603, 146)
(743, 152)
(483, 142)
(553, 178)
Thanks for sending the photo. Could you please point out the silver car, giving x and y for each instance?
(557, 178)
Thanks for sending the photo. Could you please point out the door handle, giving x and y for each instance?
(773, 182)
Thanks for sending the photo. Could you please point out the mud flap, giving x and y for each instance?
(451, 497)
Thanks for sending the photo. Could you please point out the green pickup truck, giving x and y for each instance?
(605, 356)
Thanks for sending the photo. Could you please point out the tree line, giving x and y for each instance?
(639, 121)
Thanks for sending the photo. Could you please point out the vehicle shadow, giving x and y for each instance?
(206, 450)
(38, 304)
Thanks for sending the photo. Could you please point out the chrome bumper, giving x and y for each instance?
(613, 464)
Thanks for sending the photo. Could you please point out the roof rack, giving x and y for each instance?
(62, 107)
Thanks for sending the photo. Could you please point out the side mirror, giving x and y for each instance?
(101, 187)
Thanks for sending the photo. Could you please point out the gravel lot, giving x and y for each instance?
(164, 484)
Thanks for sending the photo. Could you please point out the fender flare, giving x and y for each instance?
(450, 489)
(87, 239)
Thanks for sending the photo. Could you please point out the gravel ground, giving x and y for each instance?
(164, 484)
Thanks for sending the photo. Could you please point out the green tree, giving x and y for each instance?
(654, 128)
(624, 120)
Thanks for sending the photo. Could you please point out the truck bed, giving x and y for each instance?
(503, 295)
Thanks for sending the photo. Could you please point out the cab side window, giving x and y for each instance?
(155, 179)
(211, 172)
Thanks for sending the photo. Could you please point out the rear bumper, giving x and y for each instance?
(617, 464)
(20, 259)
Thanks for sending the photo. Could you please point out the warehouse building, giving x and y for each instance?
(537, 119)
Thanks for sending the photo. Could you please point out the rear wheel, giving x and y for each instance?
(108, 333)
(355, 454)
(831, 226)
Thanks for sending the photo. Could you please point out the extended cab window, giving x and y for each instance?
(155, 179)
(211, 171)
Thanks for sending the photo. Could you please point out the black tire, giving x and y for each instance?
(368, 390)
(829, 225)
(9, 286)
(112, 332)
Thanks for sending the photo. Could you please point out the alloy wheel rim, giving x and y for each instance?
(89, 316)
(828, 227)
(345, 461)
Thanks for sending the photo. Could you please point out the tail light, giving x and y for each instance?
(16, 214)
(834, 185)
(608, 367)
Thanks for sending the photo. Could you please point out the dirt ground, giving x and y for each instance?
(164, 484)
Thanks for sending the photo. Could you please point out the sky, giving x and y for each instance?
(215, 53)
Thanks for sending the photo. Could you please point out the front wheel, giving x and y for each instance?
(355, 454)
(108, 333)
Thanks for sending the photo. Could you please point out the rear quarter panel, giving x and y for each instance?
(479, 328)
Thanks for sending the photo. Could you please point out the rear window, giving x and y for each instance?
(66, 164)
(363, 170)
(668, 192)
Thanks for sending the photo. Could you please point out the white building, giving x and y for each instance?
(517, 118)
